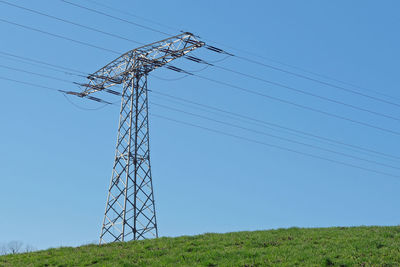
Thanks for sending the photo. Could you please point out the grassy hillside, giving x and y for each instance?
(355, 246)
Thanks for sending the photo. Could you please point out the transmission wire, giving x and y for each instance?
(130, 14)
(218, 109)
(60, 36)
(273, 67)
(263, 122)
(116, 18)
(274, 136)
(37, 74)
(298, 105)
(320, 82)
(84, 108)
(311, 94)
(42, 62)
(80, 42)
(274, 146)
(71, 22)
(238, 137)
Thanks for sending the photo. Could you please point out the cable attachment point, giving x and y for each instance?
(218, 50)
(178, 69)
(198, 60)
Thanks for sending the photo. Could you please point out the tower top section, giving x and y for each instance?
(141, 60)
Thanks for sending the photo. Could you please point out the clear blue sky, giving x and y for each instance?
(56, 159)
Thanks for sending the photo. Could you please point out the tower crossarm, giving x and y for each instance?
(143, 59)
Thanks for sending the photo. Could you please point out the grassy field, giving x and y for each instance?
(339, 246)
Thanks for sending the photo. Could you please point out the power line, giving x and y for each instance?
(35, 73)
(305, 92)
(32, 84)
(273, 67)
(270, 82)
(275, 136)
(233, 71)
(318, 81)
(274, 146)
(298, 68)
(60, 36)
(42, 62)
(213, 108)
(219, 60)
(71, 22)
(235, 87)
(299, 105)
(199, 70)
(263, 122)
(130, 14)
(41, 66)
(57, 68)
(170, 80)
(41, 75)
(96, 99)
(225, 115)
(116, 18)
(84, 108)
(304, 70)
(229, 134)
(51, 77)
(288, 102)
(227, 69)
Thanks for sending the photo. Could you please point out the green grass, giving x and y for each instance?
(339, 246)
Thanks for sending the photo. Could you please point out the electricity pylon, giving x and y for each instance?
(130, 210)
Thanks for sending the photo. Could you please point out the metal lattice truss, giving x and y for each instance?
(130, 210)
(145, 58)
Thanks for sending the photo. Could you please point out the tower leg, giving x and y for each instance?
(130, 210)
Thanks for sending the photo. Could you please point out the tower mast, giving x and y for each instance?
(130, 209)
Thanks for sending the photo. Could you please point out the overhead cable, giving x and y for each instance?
(42, 62)
(299, 105)
(59, 36)
(219, 50)
(296, 89)
(116, 18)
(275, 136)
(230, 134)
(274, 146)
(263, 122)
(71, 22)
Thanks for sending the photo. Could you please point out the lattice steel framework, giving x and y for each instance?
(130, 210)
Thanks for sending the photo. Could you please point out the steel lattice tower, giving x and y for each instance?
(130, 210)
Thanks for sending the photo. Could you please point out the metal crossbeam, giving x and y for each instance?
(130, 209)
(147, 58)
